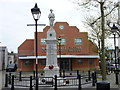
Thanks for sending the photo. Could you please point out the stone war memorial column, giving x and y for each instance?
(51, 68)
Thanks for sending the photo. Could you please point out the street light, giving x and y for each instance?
(114, 30)
(36, 15)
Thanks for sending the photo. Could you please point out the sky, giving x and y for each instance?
(16, 14)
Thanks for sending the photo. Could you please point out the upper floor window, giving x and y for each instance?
(61, 27)
(78, 41)
(43, 41)
(62, 41)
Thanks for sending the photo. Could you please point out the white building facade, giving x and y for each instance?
(3, 57)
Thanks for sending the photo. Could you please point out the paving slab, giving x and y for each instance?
(58, 89)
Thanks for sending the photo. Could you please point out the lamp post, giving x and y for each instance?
(36, 15)
(114, 29)
(59, 41)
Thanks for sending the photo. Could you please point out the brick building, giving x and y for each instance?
(74, 50)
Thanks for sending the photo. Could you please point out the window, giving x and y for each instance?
(61, 27)
(28, 62)
(78, 41)
(43, 62)
(90, 62)
(43, 41)
(80, 61)
(62, 41)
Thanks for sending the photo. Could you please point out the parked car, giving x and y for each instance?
(11, 68)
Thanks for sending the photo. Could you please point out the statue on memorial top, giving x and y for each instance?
(51, 18)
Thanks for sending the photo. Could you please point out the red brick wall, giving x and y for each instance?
(69, 33)
(85, 65)
(26, 48)
(24, 66)
(93, 49)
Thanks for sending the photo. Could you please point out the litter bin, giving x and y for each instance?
(103, 86)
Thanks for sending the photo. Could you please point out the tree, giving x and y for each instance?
(97, 23)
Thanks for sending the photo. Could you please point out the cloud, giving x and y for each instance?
(16, 14)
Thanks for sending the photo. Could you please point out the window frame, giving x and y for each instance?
(78, 41)
(42, 62)
(42, 41)
(79, 61)
(62, 41)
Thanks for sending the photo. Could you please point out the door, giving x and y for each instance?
(65, 64)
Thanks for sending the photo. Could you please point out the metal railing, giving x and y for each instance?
(19, 80)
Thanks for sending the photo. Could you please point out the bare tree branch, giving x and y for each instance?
(105, 15)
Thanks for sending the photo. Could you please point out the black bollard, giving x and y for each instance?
(116, 76)
(6, 80)
(77, 72)
(20, 74)
(31, 83)
(95, 76)
(55, 88)
(9, 78)
(79, 85)
(93, 79)
(63, 73)
(60, 74)
(34, 74)
(89, 75)
(12, 86)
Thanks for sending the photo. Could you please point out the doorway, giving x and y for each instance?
(64, 64)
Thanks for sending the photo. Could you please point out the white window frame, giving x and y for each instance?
(78, 41)
(42, 41)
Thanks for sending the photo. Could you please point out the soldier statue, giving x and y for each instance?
(51, 18)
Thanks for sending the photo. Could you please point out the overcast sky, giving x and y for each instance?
(16, 14)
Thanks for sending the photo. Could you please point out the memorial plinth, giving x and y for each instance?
(51, 68)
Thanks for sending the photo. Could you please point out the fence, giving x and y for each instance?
(78, 80)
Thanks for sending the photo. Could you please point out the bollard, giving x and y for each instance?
(95, 75)
(60, 74)
(55, 88)
(6, 80)
(12, 86)
(34, 74)
(116, 75)
(79, 85)
(9, 78)
(77, 72)
(119, 81)
(63, 73)
(89, 76)
(93, 79)
(20, 79)
(31, 83)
